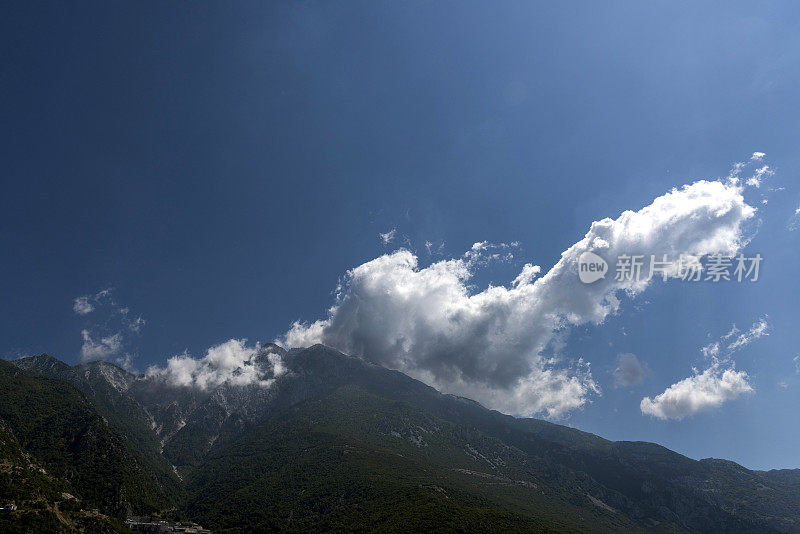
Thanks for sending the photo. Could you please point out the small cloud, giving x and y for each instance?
(711, 350)
(82, 306)
(87, 303)
(126, 362)
(719, 383)
(698, 393)
(759, 329)
(629, 371)
(135, 325)
(796, 361)
(757, 156)
(758, 176)
(434, 249)
(99, 349)
(106, 336)
(732, 332)
(794, 221)
(388, 237)
(736, 170)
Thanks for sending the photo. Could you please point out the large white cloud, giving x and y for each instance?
(427, 322)
(232, 362)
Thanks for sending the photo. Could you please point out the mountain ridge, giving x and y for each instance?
(494, 463)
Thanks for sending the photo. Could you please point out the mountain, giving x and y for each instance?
(337, 443)
(59, 454)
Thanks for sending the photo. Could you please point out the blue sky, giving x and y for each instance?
(221, 167)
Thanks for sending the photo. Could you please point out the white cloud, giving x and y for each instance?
(760, 328)
(87, 303)
(389, 236)
(796, 361)
(732, 332)
(82, 306)
(135, 325)
(551, 390)
(794, 221)
(755, 180)
(99, 349)
(700, 392)
(629, 371)
(526, 276)
(435, 249)
(757, 177)
(232, 362)
(429, 322)
(104, 300)
(714, 350)
(115, 327)
(711, 350)
(718, 383)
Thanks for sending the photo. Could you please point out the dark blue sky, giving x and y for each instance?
(221, 165)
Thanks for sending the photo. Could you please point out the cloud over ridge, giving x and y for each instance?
(430, 324)
(232, 362)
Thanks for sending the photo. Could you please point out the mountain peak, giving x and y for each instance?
(41, 364)
(272, 347)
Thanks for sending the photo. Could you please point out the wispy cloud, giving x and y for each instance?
(434, 249)
(758, 176)
(99, 349)
(759, 329)
(388, 237)
(126, 362)
(794, 221)
(86, 304)
(109, 328)
(82, 305)
(134, 324)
